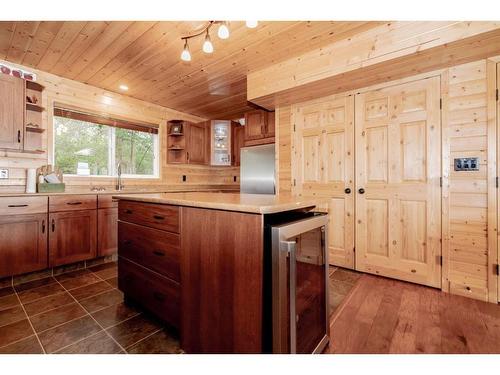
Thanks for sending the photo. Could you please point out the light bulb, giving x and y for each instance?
(186, 55)
(223, 31)
(208, 47)
(252, 24)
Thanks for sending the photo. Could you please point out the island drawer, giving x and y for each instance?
(157, 216)
(106, 201)
(72, 202)
(154, 292)
(23, 205)
(151, 248)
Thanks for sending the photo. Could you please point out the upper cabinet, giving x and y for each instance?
(237, 142)
(188, 143)
(20, 114)
(11, 112)
(259, 127)
(221, 142)
(197, 143)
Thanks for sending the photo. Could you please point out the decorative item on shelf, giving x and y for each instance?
(31, 99)
(175, 128)
(50, 180)
(208, 47)
(31, 180)
(19, 73)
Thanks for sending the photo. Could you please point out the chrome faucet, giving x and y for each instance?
(119, 184)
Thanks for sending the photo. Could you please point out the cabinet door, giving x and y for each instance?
(72, 236)
(398, 169)
(11, 112)
(270, 125)
(23, 244)
(255, 122)
(323, 165)
(107, 231)
(197, 143)
(237, 141)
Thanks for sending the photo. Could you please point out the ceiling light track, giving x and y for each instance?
(208, 47)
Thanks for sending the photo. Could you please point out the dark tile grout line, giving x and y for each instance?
(100, 326)
(31, 324)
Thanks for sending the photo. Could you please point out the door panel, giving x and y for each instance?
(11, 111)
(72, 236)
(197, 143)
(107, 231)
(323, 165)
(398, 164)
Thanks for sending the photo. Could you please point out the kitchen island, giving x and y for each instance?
(198, 262)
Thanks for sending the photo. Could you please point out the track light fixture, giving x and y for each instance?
(208, 47)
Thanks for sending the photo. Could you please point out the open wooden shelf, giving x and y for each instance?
(34, 107)
(34, 130)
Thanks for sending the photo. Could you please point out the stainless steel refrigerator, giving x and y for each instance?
(257, 172)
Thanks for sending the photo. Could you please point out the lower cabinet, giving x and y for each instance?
(23, 243)
(156, 293)
(73, 236)
(107, 231)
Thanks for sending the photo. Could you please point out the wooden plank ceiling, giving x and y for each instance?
(145, 56)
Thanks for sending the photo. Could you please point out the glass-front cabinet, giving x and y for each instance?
(221, 142)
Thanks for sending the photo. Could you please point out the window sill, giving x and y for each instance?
(124, 177)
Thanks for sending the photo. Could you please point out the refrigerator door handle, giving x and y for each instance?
(291, 247)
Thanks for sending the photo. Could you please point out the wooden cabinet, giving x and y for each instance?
(259, 127)
(23, 243)
(11, 112)
(197, 143)
(237, 142)
(73, 230)
(107, 231)
(188, 143)
(149, 257)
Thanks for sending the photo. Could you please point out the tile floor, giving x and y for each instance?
(78, 312)
(83, 312)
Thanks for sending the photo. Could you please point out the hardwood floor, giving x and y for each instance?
(381, 315)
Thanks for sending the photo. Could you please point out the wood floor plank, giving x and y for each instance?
(388, 316)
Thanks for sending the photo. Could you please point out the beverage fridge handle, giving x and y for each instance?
(290, 247)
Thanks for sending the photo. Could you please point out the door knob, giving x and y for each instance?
(347, 191)
(361, 191)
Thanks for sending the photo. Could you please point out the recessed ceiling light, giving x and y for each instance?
(123, 87)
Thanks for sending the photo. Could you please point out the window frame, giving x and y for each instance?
(111, 152)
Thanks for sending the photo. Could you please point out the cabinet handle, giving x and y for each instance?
(347, 191)
(361, 191)
(128, 211)
(19, 136)
(187, 155)
(53, 225)
(158, 217)
(159, 297)
(43, 226)
(159, 253)
(17, 205)
(74, 203)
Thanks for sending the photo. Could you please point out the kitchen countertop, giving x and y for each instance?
(252, 203)
(129, 190)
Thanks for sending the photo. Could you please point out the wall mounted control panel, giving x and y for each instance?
(466, 164)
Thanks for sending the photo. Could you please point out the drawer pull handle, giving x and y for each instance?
(159, 253)
(128, 211)
(74, 203)
(158, 217)
(158, 296)
(17, 205)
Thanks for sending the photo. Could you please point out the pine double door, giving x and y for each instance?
(377, 156)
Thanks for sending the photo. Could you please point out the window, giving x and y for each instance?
(88, 145)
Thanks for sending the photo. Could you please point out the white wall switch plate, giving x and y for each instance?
(4, 173)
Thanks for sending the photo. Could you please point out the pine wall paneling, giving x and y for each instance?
(82, 96)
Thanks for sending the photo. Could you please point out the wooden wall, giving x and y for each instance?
(68, 92)
(469, 198)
